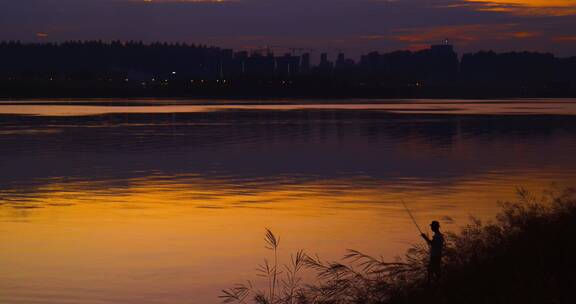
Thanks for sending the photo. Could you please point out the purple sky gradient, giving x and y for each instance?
(354, 26)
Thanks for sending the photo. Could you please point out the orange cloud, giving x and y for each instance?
(524, 35)
(565, 38)
(462, 34)
(185, 1)
(527, 7)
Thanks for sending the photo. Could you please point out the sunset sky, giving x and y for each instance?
(355, 26)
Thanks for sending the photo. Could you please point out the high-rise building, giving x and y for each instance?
(305, 63)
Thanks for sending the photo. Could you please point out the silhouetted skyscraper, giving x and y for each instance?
(340, 61)
(324, 63)
(442, 49)
(305, 63)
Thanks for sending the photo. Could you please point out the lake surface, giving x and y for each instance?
(166, 201)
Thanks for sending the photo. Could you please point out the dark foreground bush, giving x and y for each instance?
(526, 255)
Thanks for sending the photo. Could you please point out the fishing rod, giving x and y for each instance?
(411, 216)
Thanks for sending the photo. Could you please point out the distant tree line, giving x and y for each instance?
(135, 68)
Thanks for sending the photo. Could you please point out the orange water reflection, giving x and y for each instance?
(420, 106)
(163, 241)
(159, 208)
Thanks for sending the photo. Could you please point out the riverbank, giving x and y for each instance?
(525, 255)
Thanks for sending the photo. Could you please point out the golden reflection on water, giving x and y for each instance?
(84, 108)
(181, 240)
(145, 209)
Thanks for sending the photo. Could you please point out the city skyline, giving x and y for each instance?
(95, 68)
(354, 27)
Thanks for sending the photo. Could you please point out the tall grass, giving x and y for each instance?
(525, 255)
(287, 279)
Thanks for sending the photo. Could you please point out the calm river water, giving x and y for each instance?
(107, 201)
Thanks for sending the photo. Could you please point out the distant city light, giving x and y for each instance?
(173, 73)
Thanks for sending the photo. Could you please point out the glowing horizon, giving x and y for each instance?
(529, 7)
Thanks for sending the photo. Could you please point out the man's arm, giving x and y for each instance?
(426, 238)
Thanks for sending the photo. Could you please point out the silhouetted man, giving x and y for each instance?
(436, 247)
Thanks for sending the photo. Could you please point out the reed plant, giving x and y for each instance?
(284, 283)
